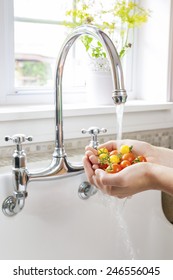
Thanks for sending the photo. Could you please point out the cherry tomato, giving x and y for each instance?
(103, 157)
(103, 165)
(129, 156)
(103, 151)
(124, 149)
(113, 152)
(125, 163)
(114, 159)
(140, 159)
(113, 168)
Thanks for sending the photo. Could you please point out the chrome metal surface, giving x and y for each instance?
(19, 156)
(94, 131)
(119, 97)
(86, 190)
(18, 138)
(8, 206)
(12, 205)
(116, 70)
(60, 166)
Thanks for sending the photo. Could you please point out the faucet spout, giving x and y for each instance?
(119, 94)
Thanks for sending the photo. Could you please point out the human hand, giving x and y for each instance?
(139, 148)
(134, 179)
(128, 181)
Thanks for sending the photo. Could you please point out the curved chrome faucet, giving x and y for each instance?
(60, 165)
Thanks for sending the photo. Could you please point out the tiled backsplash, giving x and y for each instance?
(42, 151)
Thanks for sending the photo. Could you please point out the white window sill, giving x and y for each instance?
(30, 112)
(38, 121)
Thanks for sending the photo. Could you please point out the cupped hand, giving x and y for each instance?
(127, 182)
(131, 180)
(156, 173)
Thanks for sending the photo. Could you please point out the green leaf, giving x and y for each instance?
(122, 16)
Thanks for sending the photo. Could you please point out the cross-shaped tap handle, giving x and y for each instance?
(94, 131)
(18, 138)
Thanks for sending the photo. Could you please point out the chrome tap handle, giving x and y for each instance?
(19, 156)
(15, 203)
(18, 138)
(94, 131)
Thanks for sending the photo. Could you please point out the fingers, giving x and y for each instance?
(88, 169)
(106, 179)
(101, 178)
(111, 184)
(98, 183)
(91, 149)
(92, 157)
(110, 145)
(91, 154)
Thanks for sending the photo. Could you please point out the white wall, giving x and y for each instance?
(38, 121)
(152, 56)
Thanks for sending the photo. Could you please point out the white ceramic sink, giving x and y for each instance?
(56, 224)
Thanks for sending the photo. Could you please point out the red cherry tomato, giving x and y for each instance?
(103, 166)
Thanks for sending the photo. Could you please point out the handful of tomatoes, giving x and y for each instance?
(115, 161)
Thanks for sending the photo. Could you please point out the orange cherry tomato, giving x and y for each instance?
(128, 156)
(140, 159)
(125, 163)
(113, 168)
(113, 152)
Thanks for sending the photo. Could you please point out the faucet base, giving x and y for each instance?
(8, 206)
(14, 204)
(86, 190)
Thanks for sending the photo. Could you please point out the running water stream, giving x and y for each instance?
(121, 203)
(119, 120)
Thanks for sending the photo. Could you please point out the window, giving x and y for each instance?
(38, 34)
(37, 29)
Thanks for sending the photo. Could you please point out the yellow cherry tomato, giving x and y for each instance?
(103, 151)
(124, 149)
(103, 158)
(114, 159)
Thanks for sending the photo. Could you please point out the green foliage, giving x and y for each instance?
(131, 14)
(116, 20)
(35, 69)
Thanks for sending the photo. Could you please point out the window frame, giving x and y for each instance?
(8, 95)
(6, 50)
